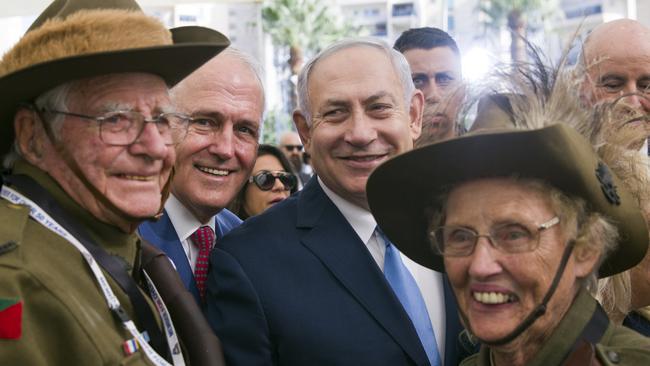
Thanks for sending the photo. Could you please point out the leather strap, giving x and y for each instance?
(584, 354)
(583, 351)
(113, 265)
(202, 345)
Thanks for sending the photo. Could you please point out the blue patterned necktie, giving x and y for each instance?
(408, 293)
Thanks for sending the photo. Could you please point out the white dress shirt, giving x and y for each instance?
(429, 281)
(185, 225)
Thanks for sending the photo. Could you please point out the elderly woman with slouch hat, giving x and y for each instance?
(523, 222)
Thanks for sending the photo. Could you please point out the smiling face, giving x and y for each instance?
(212, 167)
(359, 119)
(437, 73)
(496, 291)
(257, 200)
(130, 177)
(618, 59)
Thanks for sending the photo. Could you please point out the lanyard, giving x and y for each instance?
(48, 222)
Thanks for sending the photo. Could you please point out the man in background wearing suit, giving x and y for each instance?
(311, 280)
(225, 99)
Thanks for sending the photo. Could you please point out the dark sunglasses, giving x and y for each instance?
(265, 180)
(293, 147)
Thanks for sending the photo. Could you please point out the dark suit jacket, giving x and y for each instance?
(162, 235)
(296, 286)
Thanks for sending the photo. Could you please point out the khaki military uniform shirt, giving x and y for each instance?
(619, 346)
(65, 318)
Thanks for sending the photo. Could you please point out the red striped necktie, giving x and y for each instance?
(203, 238)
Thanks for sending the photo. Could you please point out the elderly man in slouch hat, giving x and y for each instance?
(84, 101)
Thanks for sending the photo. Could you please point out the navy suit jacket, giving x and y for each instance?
(296, 286)
(162, 235)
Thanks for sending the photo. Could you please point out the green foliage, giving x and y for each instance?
(275, 122)
(496, 12)
(305, 24)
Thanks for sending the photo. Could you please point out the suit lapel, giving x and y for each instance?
(331, 238)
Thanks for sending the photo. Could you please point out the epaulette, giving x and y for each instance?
(13, 219)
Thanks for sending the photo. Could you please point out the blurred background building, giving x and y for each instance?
(282, 34)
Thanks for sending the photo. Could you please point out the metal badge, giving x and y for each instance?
(607, 184)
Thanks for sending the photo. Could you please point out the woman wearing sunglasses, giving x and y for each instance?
(271, 181)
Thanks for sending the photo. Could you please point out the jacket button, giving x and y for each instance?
(613, 357)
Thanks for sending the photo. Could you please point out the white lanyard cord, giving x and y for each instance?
(48, 222)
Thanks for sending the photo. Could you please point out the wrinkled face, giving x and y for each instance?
(437, 73)
(359, 119)
(618, 72)
(496, 291)
(618, 60)
(212, 167)
(130, 177)
(257, 200)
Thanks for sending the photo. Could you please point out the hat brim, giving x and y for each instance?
(557, 155)
(171, 62)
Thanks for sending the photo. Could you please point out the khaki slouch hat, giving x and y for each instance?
(75, 39)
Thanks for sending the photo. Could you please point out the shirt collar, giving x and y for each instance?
(182, 219)
(360, 219)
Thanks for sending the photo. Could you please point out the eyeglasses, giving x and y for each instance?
(265, 180)
(457, 241)
(293, 147)
(124, 127)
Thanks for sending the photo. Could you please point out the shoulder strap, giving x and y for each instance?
(596, 326)
(203, 346)
(583, 351)
(114, 266)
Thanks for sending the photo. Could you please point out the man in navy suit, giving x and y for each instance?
(225, 99)
(303, 283)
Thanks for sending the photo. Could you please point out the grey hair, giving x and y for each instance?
(248, 60)
(53, 99)
(252, 63)
(398, 60)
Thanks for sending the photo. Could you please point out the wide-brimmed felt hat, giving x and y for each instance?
(402, 189)
(75, 39)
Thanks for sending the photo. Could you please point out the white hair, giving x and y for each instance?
(53, 99)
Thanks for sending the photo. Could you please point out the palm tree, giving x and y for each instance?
(515, 14)
(301, 27)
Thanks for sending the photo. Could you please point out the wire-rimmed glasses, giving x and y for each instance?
(124, 127)
(458, 241)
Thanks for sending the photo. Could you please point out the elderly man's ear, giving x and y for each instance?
(30, 135)
(303, 128)
(415, 113)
